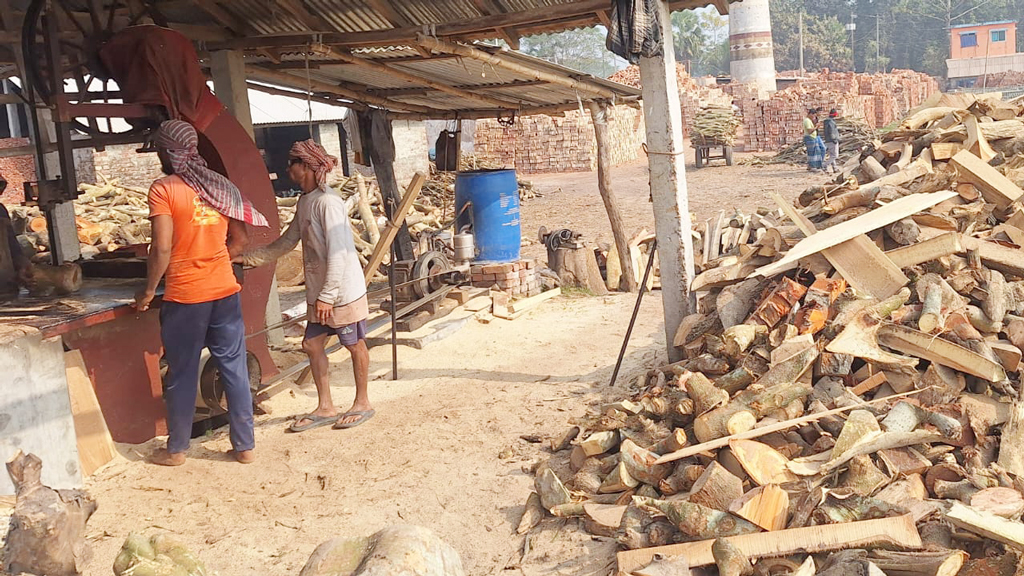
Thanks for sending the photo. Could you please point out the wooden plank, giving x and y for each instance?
(525, 304)
(944, 352)
(1016, 219)
(926, 251)
(389, 234)
(869, 383)
(994, 187)
(95, 445)
(896, 531)
(859, 260)
(945, 150)
(986, 525)
(892, 212)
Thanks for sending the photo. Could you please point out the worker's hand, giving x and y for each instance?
(324, 312)
(143, 298)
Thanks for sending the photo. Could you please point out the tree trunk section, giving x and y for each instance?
(577, 268)
(716, 488)
(599, 112)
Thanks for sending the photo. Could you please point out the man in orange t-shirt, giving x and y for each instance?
(197, 228)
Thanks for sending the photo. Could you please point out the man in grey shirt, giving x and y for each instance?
(335, 286)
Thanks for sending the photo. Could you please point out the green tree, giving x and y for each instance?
(826, 43)
(582, 50)
(699, 38)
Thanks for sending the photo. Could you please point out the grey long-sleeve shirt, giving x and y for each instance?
(330, 261)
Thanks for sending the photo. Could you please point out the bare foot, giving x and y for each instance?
(164, 458)
(356, 407)
(245, 456)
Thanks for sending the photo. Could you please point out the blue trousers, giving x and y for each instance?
(185, 330)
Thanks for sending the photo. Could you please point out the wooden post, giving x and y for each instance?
(382, 157)
(228, 71)
(664, 124)
(599, 112)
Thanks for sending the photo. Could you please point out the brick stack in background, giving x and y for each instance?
(692, 94)
(129, 167)
(16, 170)
(876, 99)
(558, 143)
(519, 279)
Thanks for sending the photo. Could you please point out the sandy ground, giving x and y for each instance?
(572, 200)
(444, 450)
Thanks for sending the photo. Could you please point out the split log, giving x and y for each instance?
(730, 559)
(533, 513)
(1011, 456)
(924, 563)
(859, 424)
(61, 280)
(603, 519)
(640, 463)
(962, 490)
(863, 477)
(716, 488)
(767, 506)
(47, 533)
(857, 197)
(986, 525)
(600, 442)
(764, 464)
(706, 396)
(618, 481)
(1003, 502)
(681, 480)
(759, 402)
(870, 170)
(698, 521)
(365, 212)
(994, 305)
(843, 509)
(905, 232)
(550, 488)
(674, 441)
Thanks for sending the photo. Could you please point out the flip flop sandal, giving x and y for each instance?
(314, 422)
(364, 415)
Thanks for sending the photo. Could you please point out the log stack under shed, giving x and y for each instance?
(849, 401)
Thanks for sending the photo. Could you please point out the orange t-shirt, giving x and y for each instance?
(200, 268)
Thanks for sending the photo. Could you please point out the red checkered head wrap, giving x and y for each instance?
(314, 155)
(179, 140)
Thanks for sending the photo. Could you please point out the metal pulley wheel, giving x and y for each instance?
(82, 27)
(426, 273)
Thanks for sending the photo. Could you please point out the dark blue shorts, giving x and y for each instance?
(349, 334)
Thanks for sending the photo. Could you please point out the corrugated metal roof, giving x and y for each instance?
(995, 23)
(273, 110)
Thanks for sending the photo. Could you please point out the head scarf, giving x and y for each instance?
(180, 141)
(315, 157)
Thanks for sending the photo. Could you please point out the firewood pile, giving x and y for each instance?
(875, 99)
(692, 96)
(715, 123)
(849, 398)
(854, 135)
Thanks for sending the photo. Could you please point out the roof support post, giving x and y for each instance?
(664, 124)
(228, 71)
(231, 88)
(599, 112)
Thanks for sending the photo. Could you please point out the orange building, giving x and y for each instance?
(983, 40)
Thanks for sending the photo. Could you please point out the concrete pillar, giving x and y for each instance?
(228, 71)
(752, 59)
(13, 121)
(664, 125)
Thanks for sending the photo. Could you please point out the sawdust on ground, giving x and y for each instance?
(444, 450)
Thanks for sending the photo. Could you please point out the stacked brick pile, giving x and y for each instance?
(516, 278)
(1008, 79)
(16, 170)
(876, 99)
(127, 165)
(692, 95)
(558, 144)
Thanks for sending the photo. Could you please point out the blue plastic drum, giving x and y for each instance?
(493, 213)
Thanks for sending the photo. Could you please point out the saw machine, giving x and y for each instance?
(104, 72)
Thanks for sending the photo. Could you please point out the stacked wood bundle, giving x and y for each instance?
(715, 124)
(693, 96)
(875, 99)
(854, 135)
(850, 383)
(558, 143)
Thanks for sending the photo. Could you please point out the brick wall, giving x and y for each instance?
(16, 170)
(127, 166)
(559, 143)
